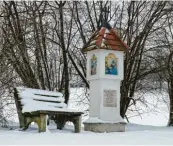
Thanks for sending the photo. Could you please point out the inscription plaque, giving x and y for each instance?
(110, 98)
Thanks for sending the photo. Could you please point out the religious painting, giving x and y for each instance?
(111, 64)
(93, 65)
(110, 98)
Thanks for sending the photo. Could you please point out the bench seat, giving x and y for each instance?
(34, 105)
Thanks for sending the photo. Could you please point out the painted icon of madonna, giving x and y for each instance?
(111, 64)
(93, 65)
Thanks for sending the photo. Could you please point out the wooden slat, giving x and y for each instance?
(47, 95)
(51, 99)
(47, 101)
(60, 112)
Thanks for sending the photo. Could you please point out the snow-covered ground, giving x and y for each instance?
(149, 128)
(134, 134)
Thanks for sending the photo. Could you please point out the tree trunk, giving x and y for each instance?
(170, 88)
(64, 53)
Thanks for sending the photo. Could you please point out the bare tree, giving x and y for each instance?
(136, 23)
(42, 43)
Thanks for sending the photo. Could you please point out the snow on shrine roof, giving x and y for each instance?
(106, 38)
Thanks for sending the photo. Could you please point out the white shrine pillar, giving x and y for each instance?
(105, 70)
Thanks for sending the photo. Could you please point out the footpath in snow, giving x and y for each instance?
(135, 134)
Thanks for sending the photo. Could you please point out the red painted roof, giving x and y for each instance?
(105, 38)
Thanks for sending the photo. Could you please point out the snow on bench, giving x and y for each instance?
(35, 104)
(30, 100)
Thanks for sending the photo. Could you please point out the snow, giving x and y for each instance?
(38, 91)
(156, 113)
(31, 105)
(29, 99)
(97, 120)
(134, 134)
(36, 94)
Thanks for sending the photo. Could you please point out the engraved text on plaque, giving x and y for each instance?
(110, 98)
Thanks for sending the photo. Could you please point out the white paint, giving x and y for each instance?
(101, 54)
(95, 98)
(107, 31)
(110, 113)
(97, 109)
(101, 82)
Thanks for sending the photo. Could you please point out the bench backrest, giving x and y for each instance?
(28, 100)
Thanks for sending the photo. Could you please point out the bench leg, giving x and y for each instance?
(42, 127)
(22, 120)
(27, 122)
(77, 124)
(48, 120)
(60, 121)
(41, 122)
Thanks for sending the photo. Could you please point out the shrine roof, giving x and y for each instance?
(106, 38)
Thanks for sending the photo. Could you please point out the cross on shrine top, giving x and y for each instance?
(106, 12)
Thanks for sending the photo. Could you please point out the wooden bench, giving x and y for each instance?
(34, 105)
